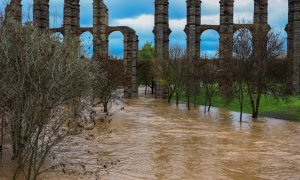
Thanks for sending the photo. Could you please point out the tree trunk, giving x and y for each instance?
(16, 173)
(241, 99)
(209, 104)
(169, 98)
(256, 107)
(177, 100)
(2, 133)
(153, 87)
(254, 115)
(16, 136)
(105, 107)
(205, 104)
(241, 113)
(188, 103)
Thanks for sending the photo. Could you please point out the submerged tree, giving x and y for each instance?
(208, 74)
(173, 72)
(255, 68)
(177, 65)
(109, 76)
(242, 55)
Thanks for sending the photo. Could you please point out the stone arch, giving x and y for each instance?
(244, 29)
(249, 27)
(209, 27)
(130, 56)
(130, 41)
(86, 39)
(209, 43)
(116, 38)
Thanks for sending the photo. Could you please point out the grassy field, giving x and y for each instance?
(269, 107)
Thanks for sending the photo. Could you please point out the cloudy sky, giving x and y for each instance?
(139, 14)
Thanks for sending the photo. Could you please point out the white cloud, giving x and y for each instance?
(142, 24)
(145, 22)
(211, 19)
(244, 3)
(177, 25)
(211, 2)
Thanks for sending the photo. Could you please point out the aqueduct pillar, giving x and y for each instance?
(130, 56)
(260, 12)
(191, 29)
(226, 42)
(161, 32)
(41, 14)
(161, 29)
(14, 9)
(71, 24)
(293, 31)
(261, 28)
(100, 29)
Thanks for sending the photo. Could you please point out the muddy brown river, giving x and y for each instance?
(151, 139)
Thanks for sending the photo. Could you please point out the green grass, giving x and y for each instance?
(269, 106)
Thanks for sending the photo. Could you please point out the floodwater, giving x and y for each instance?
(151, 139)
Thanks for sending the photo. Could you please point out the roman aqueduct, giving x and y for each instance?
(101, 30)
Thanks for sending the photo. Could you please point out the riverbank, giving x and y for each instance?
(270, 106)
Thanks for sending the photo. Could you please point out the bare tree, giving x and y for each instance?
(177, 75)
(169, 69)
(189, 80)
(255, 65)
(108, 76)
(268, 48)
(177, 61)
(242, 55)
(209, 79)
(43, 81)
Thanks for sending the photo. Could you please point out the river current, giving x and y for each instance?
(151, 139)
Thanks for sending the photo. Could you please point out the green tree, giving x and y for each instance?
(146, 77)
(147, 52)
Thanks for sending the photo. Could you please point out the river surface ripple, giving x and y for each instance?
(151, 139)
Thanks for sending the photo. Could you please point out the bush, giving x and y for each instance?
(42, 83)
